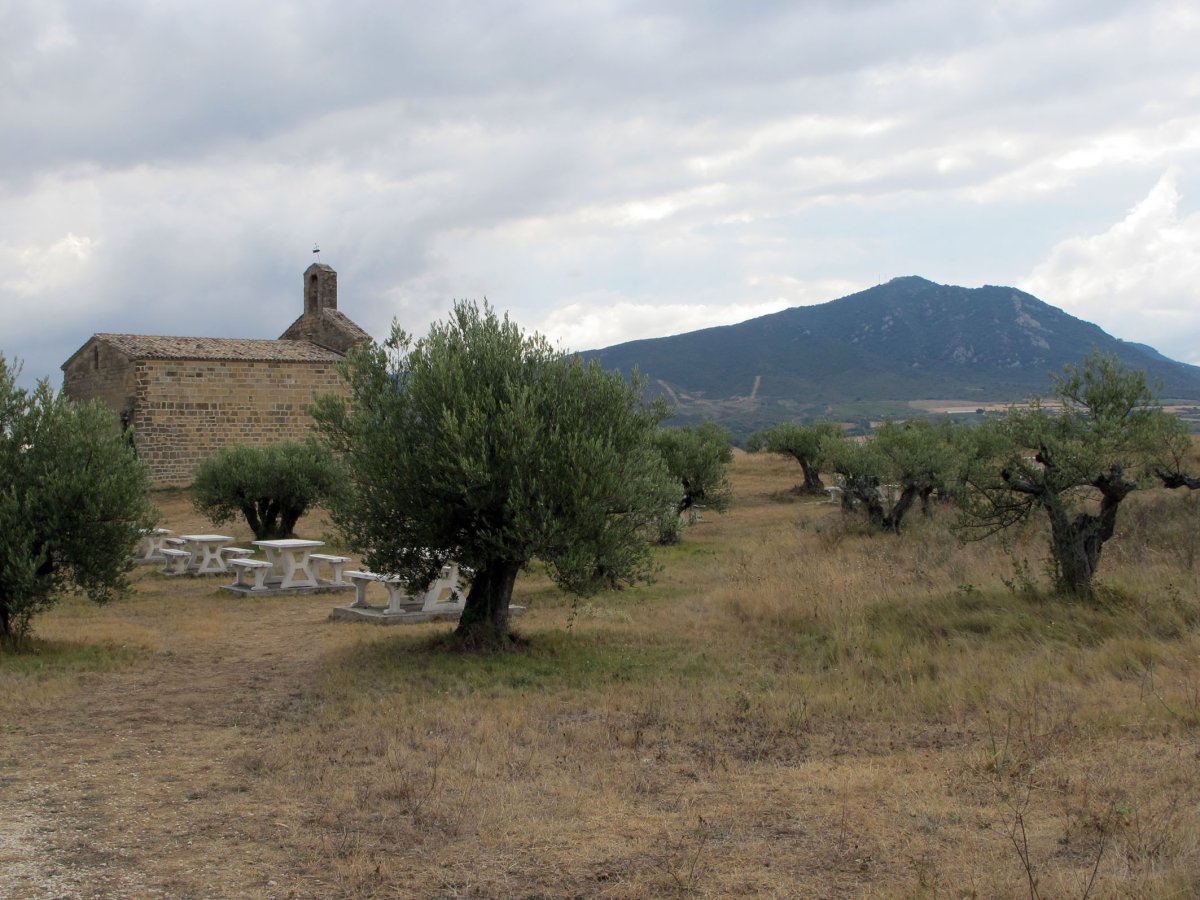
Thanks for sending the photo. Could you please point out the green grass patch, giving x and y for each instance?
(683, 550)
(40, 658)
(979, 616)
(536, 590)
(550, 661)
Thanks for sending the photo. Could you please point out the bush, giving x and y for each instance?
(272, 486)
(698, 457)
(73, 501)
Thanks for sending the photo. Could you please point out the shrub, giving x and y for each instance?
(73, 501)
(272, 486)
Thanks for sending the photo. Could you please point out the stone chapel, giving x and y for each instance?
(187, 397)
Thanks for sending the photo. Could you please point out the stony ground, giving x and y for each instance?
(127, 786)
(134, 782)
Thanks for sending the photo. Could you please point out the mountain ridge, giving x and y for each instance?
(907, 339)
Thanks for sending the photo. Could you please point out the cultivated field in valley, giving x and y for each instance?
(795, 708)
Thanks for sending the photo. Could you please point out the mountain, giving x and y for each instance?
(907, 340)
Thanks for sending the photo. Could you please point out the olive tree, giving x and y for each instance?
(484, 445)
(1178, 450)
(901, 463)
(698, 457)
(73, 501)
(801, 442)
(1075, 461)
(271, 486)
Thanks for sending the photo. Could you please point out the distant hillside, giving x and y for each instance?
(909, 339)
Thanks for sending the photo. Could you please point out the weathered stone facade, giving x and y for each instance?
(186, 398)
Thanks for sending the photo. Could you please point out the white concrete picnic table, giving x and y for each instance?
(205, 550)
(150, 545)
(289, 558)
(400, 603)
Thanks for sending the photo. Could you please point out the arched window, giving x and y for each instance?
(310, 295)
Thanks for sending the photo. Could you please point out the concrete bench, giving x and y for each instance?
(150, 544)
(393, 583)
(335, 563)
(399, 601)
(260, 568)
(175, 562)
(232, 553)
(448, 579)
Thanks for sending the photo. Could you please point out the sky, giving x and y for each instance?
(601, 170)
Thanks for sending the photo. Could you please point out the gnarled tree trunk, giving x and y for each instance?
(484, 617)
(1077, 542)
(812, 478)
(269, 519)
(1178, 479)
(864, 490)
(903, 503)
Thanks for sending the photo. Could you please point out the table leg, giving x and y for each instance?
(297, 571)
(289, 569)
(212, 560)
(396, 596)
(275, 558)
(360, 593)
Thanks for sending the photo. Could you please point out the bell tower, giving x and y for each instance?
(320, 289)
(322, 323)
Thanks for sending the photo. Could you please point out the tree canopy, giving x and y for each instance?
(481, 444)
(698, 456)
(901, 463)
(73, 501)
(271, 486)
(803, 443)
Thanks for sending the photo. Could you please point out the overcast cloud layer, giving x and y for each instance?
(603, 170)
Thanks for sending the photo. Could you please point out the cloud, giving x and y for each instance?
(601, 168)
(32, 270)
(1137, 279)
(596, 320)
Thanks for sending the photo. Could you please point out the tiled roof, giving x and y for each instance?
(346, 324)
(151, 346)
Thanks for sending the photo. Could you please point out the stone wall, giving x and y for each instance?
(188, 409)
(327, 328)
(101, 373)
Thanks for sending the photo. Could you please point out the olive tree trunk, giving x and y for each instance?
(903, 504)
(1178, 479)
(865, 490)
(270, 519)
(484, 617)
(812, 478)
(1077, 542)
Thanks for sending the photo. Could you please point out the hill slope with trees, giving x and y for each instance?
(908, 339)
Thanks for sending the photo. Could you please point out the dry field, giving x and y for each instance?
(795, 709)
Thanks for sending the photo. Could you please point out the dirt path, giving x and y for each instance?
(141, 782)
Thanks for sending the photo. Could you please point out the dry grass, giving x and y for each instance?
(796, 708)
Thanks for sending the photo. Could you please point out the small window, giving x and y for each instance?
(95, 357)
